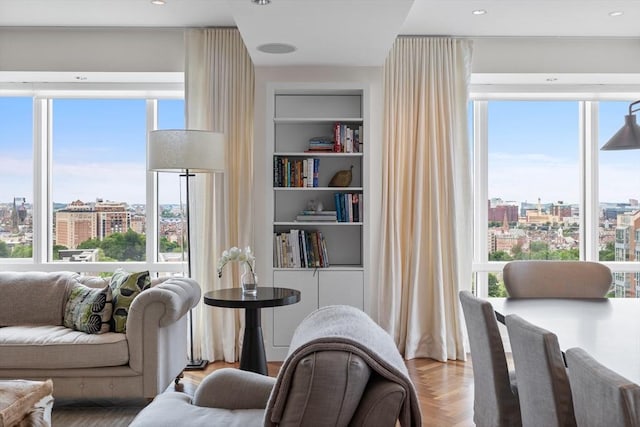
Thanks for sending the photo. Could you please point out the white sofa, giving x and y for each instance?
(35, 344)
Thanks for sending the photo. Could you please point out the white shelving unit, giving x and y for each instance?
(295, 115)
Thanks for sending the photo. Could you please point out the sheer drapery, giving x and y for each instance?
(426, 201)
(219, 93)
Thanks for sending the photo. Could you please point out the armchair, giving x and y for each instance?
(342, 369)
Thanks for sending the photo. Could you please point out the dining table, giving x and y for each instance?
(607, 328)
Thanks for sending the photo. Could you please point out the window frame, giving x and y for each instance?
(588, 99)
(152, 91)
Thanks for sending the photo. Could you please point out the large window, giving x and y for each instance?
(77, 189)
(549, 192)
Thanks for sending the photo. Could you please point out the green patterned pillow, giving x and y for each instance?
(125, 287)
(88, 309)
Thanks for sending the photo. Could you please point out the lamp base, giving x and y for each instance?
(196, 365)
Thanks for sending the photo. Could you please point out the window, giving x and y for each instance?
(16, 175)
(79, 189)
(548, 191)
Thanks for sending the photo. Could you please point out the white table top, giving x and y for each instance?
(608, 329)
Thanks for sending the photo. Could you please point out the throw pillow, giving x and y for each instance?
(125, 287)
(88, 309)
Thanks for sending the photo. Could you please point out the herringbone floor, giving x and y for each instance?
(445, 390)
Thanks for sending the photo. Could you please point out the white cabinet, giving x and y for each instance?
(317, 289)
(335, 273)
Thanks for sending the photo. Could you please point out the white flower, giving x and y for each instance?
(236, 254)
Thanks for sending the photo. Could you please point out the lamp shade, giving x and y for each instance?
(628, 137)
(175, 150)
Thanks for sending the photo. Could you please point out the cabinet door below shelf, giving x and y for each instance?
(287, 318)
(341, 287)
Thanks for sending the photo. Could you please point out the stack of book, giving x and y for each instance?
(321, 144)
(300, 249)
(312, 216)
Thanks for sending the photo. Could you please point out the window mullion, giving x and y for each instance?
(41, 184)
(480, 182)
(589, 180)
(152, 191)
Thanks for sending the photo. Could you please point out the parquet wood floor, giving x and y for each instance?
(445, 390)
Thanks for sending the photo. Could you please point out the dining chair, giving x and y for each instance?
(543, 385)
(556, 279)
(495, 400)
(601, 397)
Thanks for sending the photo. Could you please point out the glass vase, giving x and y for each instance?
(249, 282)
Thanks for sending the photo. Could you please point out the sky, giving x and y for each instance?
(99, 148)
(99, 151)
(534, 152)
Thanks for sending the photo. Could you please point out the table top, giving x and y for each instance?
(607, 328)
(265, 297)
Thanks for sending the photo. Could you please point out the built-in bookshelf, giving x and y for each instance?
(317, 227)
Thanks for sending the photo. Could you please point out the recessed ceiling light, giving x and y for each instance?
(261, 2)
(158, 2)
(479, 12)
(276, 48)
(616, 13)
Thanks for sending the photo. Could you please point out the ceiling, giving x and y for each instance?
(339, 32)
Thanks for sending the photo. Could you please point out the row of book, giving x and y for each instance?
(300, 249)
(347, 139)
(348, 207)
(295, 172)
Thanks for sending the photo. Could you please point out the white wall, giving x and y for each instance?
(556, 55)
(91, 49)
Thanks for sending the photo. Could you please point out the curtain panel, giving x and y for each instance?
(426, 244)
(219, 96)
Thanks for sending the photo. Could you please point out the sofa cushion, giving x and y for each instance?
(57, 347)
(125, 287)
(88, 309)
(33, 298)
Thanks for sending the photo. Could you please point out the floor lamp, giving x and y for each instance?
(186, 152)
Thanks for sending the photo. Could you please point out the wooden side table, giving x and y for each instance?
(253, 357)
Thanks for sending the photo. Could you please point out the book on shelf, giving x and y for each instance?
(300, 249)
(348, 207)
(347, 138)
(295, 172)
(329, 216)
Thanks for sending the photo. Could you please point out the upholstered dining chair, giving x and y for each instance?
(556, 279)
(601, 397)
(495, 400)
(544, 390)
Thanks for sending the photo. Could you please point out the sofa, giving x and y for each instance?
(140, 362)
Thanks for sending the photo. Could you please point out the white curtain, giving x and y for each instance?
(219, 92)
(426, 245)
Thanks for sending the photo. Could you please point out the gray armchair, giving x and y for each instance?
(342, 370)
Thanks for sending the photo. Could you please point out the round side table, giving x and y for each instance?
(253, 357)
